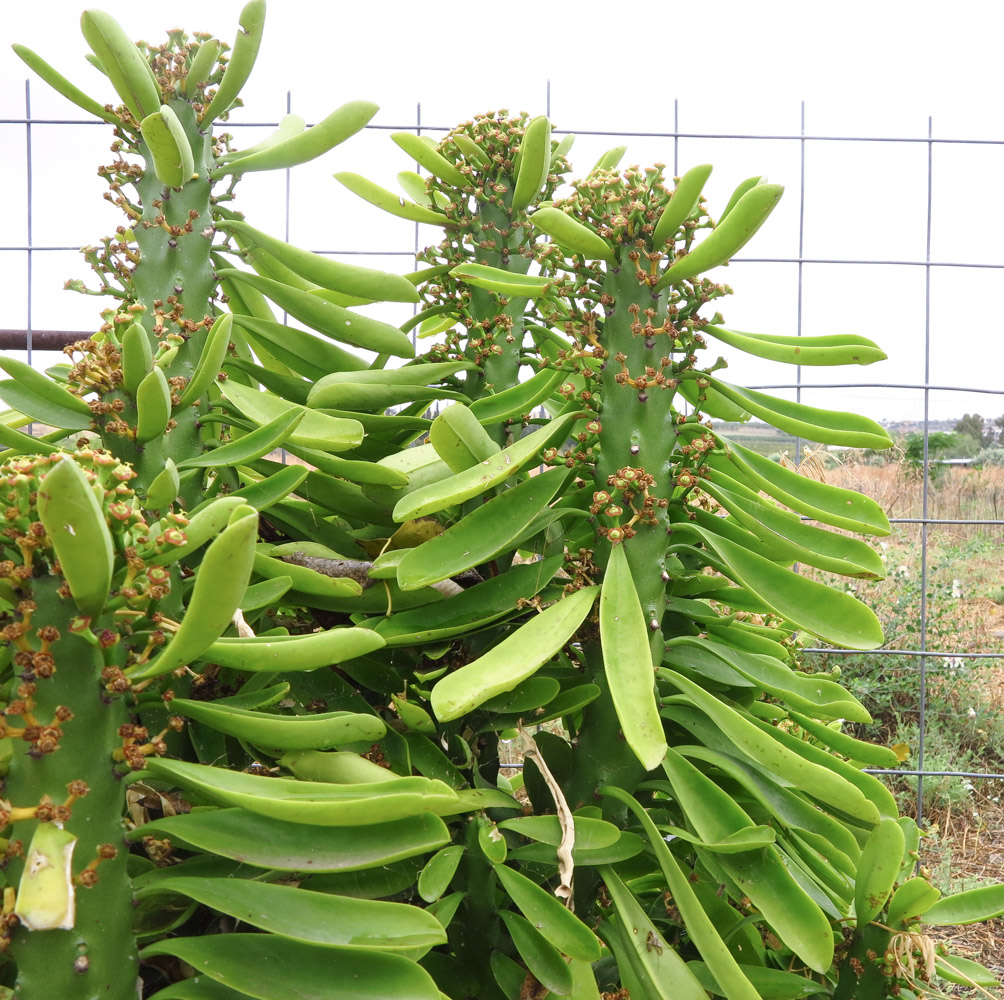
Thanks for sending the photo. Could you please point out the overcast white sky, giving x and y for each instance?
(863, 69)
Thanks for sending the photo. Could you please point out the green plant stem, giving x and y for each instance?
(51, 962)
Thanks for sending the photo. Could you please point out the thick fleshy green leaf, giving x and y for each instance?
(802, 542)
(459, 440)
(910, 901)
(768, 750)
(557, 923)
(315, 430)
(878, 868)
(518, 656)
(629, 845)
(539, 954)
(299, 652)
(660, 971)
(503, 282)
(305, 353)
(830, 504)
(292, 846)
(438, 872)
(284, 732)
(481, 535)
(833, 615)
(824, 426)
(269, 967)
(311, 802)
(627, 661)
(469, 610)
(966, 972)
(590, 834)
(818, 695)
(788, 808)
(312, 917)
(702, 931)
(483, 476)
(326, 317)
(857, 750)
(518, 399)
(760, 874)
(838, 349)
(771, 984)
(249, 447)
(969, 907)
(45, 409)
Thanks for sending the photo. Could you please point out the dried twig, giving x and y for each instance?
(566, 866)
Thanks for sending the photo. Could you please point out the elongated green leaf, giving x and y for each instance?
(803, 542)
(965, 972)
(366, 396)
(731, 234)
(251, 446)
(315, 430)
(483, 476)
(62, 86)
(269, 967)
(327, 317)
(658, 966)
(285, 732)
(293, 846)
(813, 694)
(47, 409)
(503, 282)
(300, 652)
(571, 235)
(306, 580)
(469, 610)
(40, 386)
(305, 353)
(541, 957)
(867, 753)
(265, 492)
(969, 907)
(911, 900)
(518, 399)
(681, 206)
(827, 503)
(878, 868)
(825, 426)
(312, 917)
(785, 806)
(833, 615)
(734, 983)
(759, 874)
(627, 661)
(762, 747)
(771, 984)
(839, 349)
(515, 658)
(590, 834)
(484, 533)
(557, 923)
(311, 802)
(460, 440)
(390, 202)
(438, 872)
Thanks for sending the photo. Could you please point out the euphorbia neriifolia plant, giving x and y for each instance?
(112, 597)
(700, 822)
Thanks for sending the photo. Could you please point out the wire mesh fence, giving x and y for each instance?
(894, 251)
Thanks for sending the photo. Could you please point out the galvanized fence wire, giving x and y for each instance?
(925, 655)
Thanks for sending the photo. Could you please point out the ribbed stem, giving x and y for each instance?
(637, 432)
(98, 957)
